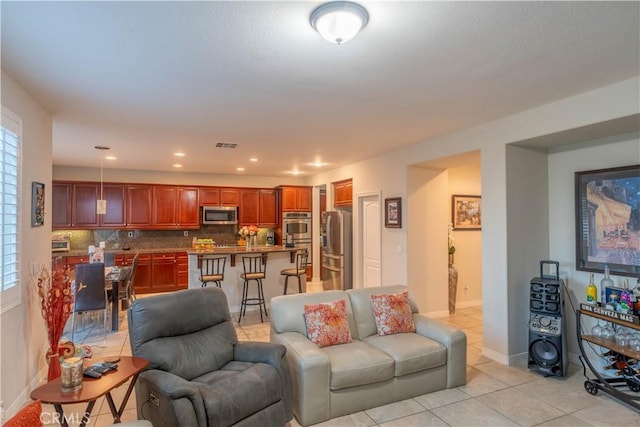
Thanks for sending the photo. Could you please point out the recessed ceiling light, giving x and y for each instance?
(240, 169)
(179, 154)
(253, 159)
(111, 158)
(295, 172)
(177, 165)
(318, 164)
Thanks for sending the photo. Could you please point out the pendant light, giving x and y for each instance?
(101, 204)
(339, 21)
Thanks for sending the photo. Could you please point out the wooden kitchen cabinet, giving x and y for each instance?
(139, 198)
(175, 207)
(116, 197)
(219, 196)
(61, 197)
(268, 208)
(182, 266)
(343, 193)
(249, 207)
(164, 277)
(85, 213)
(296, 199)
(142, 279)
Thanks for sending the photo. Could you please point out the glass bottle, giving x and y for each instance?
(604, 283)
(592, 291)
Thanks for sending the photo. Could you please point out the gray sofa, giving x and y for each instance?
(199, 373)
(370, 371)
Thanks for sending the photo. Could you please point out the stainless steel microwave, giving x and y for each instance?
(219, 215)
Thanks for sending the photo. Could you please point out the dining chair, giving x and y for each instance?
(127, 292)
(212, 269)
(255, 269)
(89, 293)
(299, 270)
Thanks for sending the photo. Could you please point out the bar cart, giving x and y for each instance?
(626, 385)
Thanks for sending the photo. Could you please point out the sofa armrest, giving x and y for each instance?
(179, 400)
(456, 342)
(274, 355)
(311, 374)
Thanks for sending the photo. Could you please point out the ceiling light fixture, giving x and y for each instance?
(339, 21)
(178, 154)
(101, 205)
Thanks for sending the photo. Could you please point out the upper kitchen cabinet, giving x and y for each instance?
(219, 196)
(343, 193)
(74, 205)
(269, 208)
(258, 207)
(296, 199)
(61, 195)
(139, 206)
(175, 207)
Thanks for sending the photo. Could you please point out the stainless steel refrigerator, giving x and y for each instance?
(337, 253)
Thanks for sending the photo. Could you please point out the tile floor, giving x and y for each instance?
(495, 395)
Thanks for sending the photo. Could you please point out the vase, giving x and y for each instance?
(71, 374)
(453, 288)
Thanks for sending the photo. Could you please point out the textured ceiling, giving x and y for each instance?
(152, 78)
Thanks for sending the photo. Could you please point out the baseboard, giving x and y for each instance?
(494, 355)
(25, 396)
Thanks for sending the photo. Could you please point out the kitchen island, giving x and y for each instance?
(278, 258)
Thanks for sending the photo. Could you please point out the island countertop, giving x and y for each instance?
(234, 250)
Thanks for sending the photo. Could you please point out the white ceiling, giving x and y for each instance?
(152, 78)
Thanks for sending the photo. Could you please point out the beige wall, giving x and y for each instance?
(23, 338)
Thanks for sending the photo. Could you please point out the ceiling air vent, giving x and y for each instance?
(226, 145)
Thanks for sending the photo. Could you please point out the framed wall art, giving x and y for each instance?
(466, 212)
(608, 220)
(37, 204)
(393, 212)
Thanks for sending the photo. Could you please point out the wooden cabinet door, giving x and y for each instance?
(343, 193)
(209, 196)
(304, 199)
(182, 273)
(164, 206)
(61, 196)
(73, 260)
(188, 213)
(229, 197)
(248, 209)
(142, 279)
(138, 206)
(115, 195)
(289, 199)
(268, 210)
(163, 272)
(85, 212)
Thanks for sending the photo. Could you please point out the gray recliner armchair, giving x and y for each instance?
(199, 374)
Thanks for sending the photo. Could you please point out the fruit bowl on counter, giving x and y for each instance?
(203, 243)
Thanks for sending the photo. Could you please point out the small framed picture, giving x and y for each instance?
(393, 212)
(37, 204)
(466, 212)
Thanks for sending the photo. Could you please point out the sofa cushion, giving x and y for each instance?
(392, 313)
(238, 391)
(410, 352)
(360, 300)
(357, 364)
(327, 323)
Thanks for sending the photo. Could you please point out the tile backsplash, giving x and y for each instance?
(152, 239)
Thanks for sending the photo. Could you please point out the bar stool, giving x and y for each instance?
(255, 268)
(300, 270)
(212, 269)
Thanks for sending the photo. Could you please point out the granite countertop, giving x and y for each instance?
(231, 249)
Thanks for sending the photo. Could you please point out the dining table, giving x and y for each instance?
(117, 276)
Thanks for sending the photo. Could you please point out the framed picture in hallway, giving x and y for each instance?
(393, 212)
(466, 212)
(608, 220)
(37, 204)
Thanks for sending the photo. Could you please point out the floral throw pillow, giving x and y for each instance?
(393, 313)
(327, 323)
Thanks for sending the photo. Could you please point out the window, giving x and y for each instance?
(10, 162)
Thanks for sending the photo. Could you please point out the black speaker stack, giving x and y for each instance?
(547, 325)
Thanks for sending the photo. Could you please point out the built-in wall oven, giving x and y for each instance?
(298, 225)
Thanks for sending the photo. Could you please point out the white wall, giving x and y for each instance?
(23, 337)
(622, 150)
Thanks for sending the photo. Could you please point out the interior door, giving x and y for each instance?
(370, 240)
